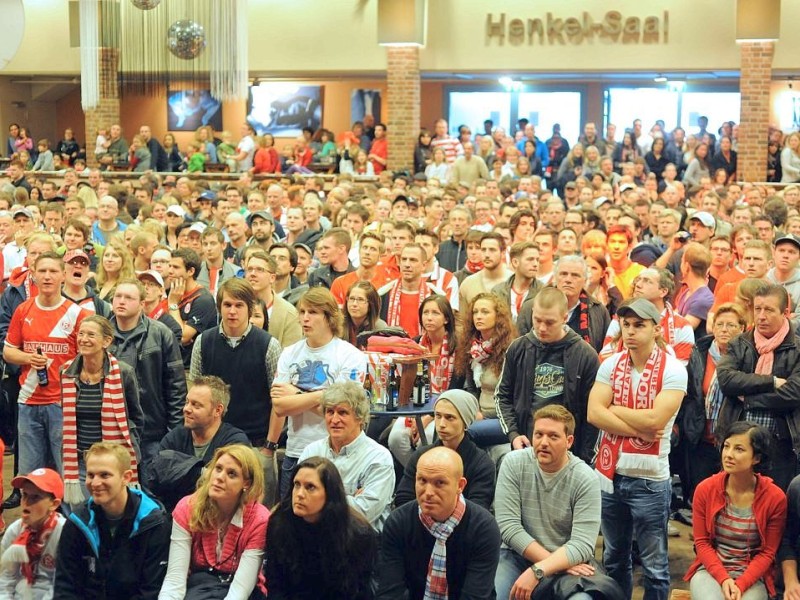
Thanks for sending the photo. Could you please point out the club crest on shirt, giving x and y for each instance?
(188, 308)
(66, 325)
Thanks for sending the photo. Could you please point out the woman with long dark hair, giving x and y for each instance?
(656, 160)
(361, 309)
(738, 516)
(318, 548)
(487, 333)
(438, 326)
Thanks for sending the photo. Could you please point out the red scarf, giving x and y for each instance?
(27, 549)
(613, 446)
(113, 421)
(442, 368)
(480, 350)
(160, 310)
(473, 266)
(393, 314)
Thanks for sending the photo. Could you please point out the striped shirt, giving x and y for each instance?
(738, 540)
(87, 409)
(451, 146)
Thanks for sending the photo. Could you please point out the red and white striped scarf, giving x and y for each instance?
(442, 368)
(113, 423)
(611, 446)
(393, 313)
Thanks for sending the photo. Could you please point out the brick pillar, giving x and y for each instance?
(402, 101)
(756, 75)
(108, 111)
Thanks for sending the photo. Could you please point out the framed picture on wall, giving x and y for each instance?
(365, 102)
(284, 109)
(189, 109)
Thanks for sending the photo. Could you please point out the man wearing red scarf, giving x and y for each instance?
(401, 299)
(759, 379)
(634, 401)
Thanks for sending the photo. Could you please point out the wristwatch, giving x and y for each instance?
(537, 572)
(173, 307)
(270, 445)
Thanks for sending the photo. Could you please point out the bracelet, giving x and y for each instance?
(270, 445)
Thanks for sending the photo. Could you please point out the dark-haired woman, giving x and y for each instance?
(438, 324)
(656, 160)
(738, 518)
(361, 309)
(318, 548)
(423, 156)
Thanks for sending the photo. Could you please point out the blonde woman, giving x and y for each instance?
(219, 532)
(115, 265)
(790, 159)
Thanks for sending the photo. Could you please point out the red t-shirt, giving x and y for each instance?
(409, 313)
(341, 284)
(55, 331)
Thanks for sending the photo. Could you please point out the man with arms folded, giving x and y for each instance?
(634, 402)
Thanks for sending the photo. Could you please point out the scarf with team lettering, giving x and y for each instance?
(436, 583)
(442, 367)
(617, 450)
(113, 424)
(393, 313)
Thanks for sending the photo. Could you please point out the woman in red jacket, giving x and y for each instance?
(738, 519)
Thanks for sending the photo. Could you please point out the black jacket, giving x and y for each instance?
(514, 394)
(478, 469)
(691, 419)
(473, 552)
(736, 376)
(599, 320)
(324, 275)
(131, 565)
(12, 297)
(151, 349)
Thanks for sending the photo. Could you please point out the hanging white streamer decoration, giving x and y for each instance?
(228, 44)
(90, 54)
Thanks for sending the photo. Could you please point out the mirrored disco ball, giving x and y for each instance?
(186, 39)
(145, 4)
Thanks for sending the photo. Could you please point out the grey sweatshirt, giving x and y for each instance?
(560, 510)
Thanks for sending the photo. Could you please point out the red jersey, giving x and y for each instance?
(55, 331)
(341, 284)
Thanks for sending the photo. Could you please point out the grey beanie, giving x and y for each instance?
(466, 404)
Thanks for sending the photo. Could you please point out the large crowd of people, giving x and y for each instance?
(614, 326)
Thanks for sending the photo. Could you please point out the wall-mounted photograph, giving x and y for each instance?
(189, 109)
(284, 109)
(365, 102)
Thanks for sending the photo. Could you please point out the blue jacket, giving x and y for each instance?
(130, 565)
(541, 150)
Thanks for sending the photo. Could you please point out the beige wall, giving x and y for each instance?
(314, 37)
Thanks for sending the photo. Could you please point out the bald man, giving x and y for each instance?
(462, 560)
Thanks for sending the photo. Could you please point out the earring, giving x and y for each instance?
(244, 489)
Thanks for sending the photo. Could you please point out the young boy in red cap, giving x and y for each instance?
(28, 549)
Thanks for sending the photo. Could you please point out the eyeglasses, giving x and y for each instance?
(356, 300)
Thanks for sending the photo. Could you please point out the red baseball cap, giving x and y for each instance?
(46, 480)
